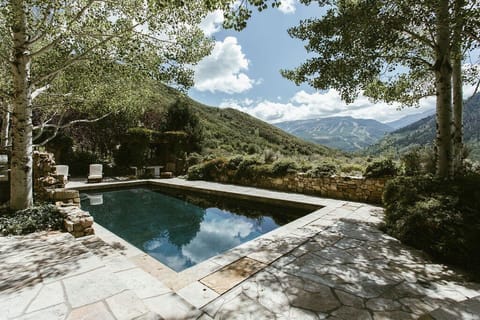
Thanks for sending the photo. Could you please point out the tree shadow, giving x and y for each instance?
(348, 267)
(28, 260)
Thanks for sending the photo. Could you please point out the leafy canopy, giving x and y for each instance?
(384, 48)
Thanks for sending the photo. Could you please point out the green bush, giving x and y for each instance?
(412, 162)
(418, 160)
(352, 168)
(134, 147)
(206, 170)
(252, 149)
(381, 168)
(234, 162)
(440, 217)
(246, 168)
(79, 162)
(38, 218)
(196, 172)
(322, 170)
(193, 159)
(181, 117)
(283, 167)
(269, 156)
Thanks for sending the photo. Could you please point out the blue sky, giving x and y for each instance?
(243, 72)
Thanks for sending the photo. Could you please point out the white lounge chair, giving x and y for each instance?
(96, 173)
(63, 171)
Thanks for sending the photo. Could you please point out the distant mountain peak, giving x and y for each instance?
(340, 132)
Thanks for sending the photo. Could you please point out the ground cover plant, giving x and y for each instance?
(439, 217)
(42, 217)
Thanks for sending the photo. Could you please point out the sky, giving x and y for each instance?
(243, 72)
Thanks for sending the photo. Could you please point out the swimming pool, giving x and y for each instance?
(183, 229)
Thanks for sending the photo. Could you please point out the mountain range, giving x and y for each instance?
(409, 119)
(344, 133)
(422, 132)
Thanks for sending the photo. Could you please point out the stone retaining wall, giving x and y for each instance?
(76, 221)
(49, 186)
(45, 175)
(346, 188)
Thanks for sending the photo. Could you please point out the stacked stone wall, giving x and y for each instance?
(48, 186)
(346, 188)
(45, 175)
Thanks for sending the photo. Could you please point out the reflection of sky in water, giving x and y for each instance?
(219, 231)
(177, 233)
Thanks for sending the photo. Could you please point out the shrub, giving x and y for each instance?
(381, 168)
(269, 156)
(79, 161)
(440, 217)
(134, 147)
(352, 168)
(252, 149)
(181, 117)
(322, 170)
(246, 168)
(193, 159)
(283, 167)
(38, 218)
(196, 172)
(234, 162)
(206, 170)
(412, 162)
(419, 160)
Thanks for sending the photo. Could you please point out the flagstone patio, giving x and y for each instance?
(331, 264)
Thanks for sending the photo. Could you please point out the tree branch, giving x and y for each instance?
(58, 126)
(39, 91)
(418, 37)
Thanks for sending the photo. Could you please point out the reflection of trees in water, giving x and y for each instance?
(154, 215)
(281, 215)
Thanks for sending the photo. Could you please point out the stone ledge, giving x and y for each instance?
(77, 222)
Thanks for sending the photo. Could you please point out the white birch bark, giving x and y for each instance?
(443, 85)
(21, 193)
(5, 130)
(457, 58)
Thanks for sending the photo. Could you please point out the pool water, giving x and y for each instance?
(178, 232)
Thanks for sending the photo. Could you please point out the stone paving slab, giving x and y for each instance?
(331, 264)
(347, 271)
(62, 279)
(231, 275)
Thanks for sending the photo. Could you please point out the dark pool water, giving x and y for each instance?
(178, 232)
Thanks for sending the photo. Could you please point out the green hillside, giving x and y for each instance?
(225, 131)
(422, 132)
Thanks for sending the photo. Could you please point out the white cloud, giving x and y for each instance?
(287, 6)
(212, 23)
(222, 70)
(305, 105)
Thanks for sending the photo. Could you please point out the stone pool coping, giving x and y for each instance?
(209, 279)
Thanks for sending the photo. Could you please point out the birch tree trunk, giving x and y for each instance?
(443, 85)
(5, 133)
(457, 57)
(21, 194)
